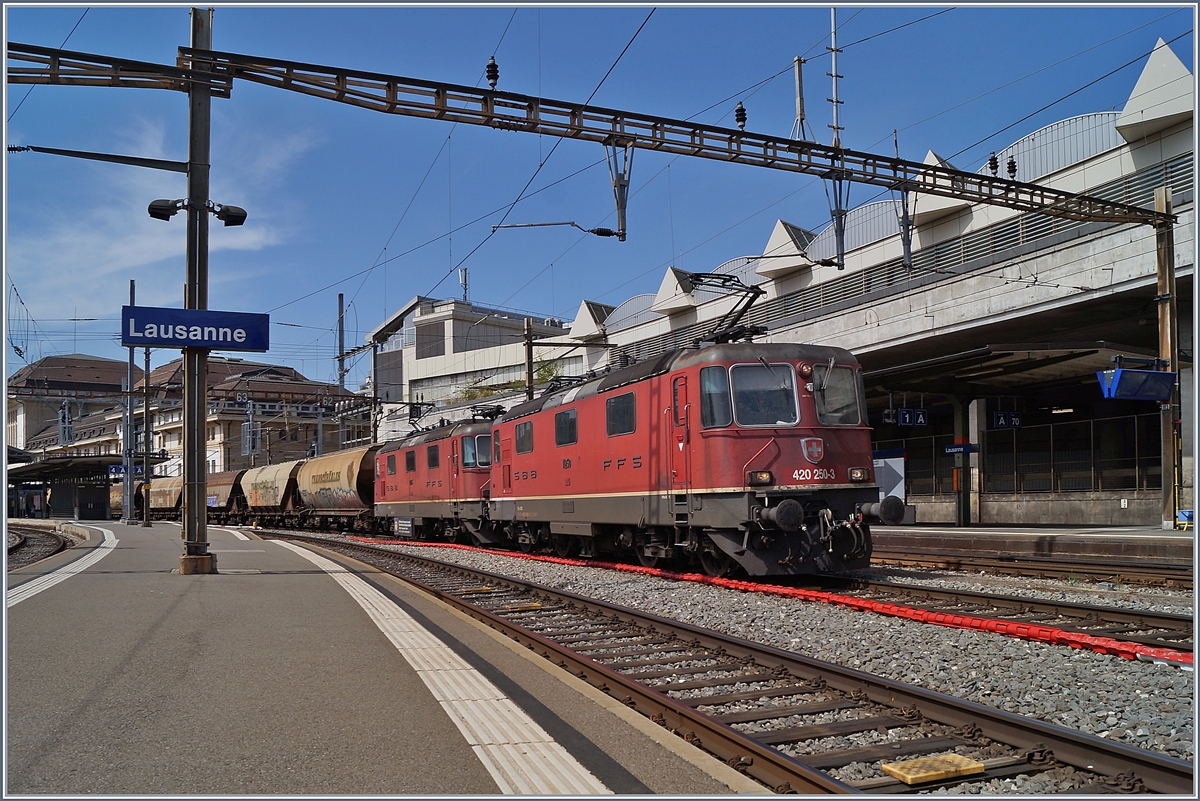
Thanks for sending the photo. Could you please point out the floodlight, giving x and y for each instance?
(165, 209)
(230, 215)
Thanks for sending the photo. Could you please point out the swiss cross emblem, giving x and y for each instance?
(814, 449)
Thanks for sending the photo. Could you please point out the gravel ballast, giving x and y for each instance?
(1143, 704)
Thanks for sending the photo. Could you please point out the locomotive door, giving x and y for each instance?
(678, 436)
(454, 465)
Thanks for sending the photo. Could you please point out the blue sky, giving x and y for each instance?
(375, 206)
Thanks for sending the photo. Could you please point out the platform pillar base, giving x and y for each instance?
(191, 565)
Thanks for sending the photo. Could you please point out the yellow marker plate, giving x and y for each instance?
(475, 591)
(523, 608)
(932, 768)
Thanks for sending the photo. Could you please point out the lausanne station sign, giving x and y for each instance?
(150, 327)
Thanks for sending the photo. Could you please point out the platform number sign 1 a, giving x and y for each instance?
(912, 417)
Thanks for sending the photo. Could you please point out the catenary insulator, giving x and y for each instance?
(493, 72)
(1012, 168)
(739, 114)
(993, 164)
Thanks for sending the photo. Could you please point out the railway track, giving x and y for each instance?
(29, 544)
(1059, 567)
(1154, 629)
(778, 717)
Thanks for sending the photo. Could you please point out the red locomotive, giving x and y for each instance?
(756, 455)
(434, 484)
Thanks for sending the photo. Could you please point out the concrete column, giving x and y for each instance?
(977, 421)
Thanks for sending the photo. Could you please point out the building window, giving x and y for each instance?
(621, 414)
(524, 435)
(566, 429)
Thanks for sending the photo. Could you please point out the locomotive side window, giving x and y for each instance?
(621, 413)
(468, 451)
(764, 396)
(482, 450)
(524, 436)
(715, 409)
(431, 456)
(391, 462)
(410, 461)
(566, 429)
(836, 394)
(496, 446)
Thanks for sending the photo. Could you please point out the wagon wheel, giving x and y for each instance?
(717, 563)
(565, 546)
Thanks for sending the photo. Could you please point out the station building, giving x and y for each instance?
(993, 327)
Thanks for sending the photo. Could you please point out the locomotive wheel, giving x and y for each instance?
(645, 560)
(565, 546)
(716, 563)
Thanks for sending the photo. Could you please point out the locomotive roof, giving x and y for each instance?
(439, 433)
(677, 360)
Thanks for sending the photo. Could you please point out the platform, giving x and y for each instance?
(1137, 543)
(276, 675)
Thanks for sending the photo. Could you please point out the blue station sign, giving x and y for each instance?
(151, 327)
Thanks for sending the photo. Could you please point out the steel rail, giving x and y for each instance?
(1059, 566)
(1122, 763)
(1087, 613)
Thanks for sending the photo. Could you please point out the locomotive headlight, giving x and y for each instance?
(860, 474)
(760, 478)
(805, 370)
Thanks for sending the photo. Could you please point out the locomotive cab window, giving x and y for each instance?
(431, 456)
(524, 435)
(566, 428)
(715, 408)
(410, 461)
(391, 464)
(468, 452)
(621, 414)
(483, 450)
(837, 394)
(764, 395)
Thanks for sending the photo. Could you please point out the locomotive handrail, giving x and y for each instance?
(746, 466)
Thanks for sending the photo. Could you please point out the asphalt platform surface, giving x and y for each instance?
(268, 677)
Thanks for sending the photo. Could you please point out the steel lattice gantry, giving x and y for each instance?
(413, 97)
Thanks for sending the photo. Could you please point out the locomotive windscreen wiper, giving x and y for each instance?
(828, 372)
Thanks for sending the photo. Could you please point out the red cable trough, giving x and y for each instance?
(1025, 631)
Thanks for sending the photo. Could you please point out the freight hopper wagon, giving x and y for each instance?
(224, 497)
(737, 454)
(271, 494)
(116, 499)
(434, 484)
(166, 498)
(337, 490)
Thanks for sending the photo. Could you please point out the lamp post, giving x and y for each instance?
(196, 558)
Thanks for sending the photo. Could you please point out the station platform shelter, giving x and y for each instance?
(65, 487)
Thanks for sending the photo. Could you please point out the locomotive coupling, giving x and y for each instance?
(787, 515)
(890, 510)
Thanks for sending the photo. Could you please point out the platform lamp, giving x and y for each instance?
(166, 209)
